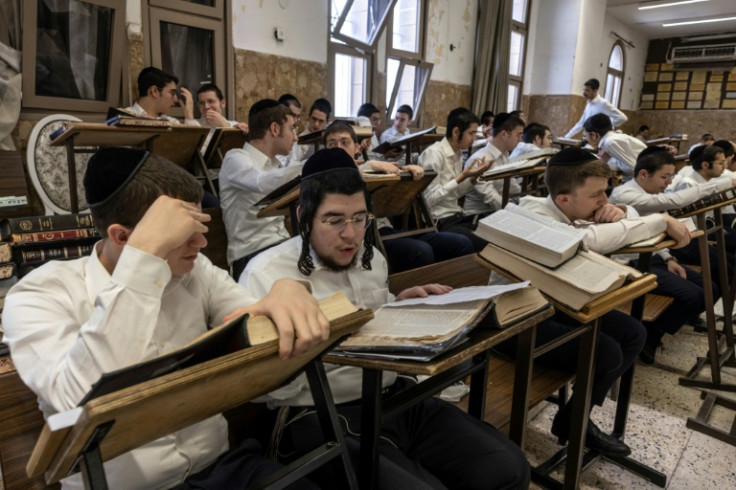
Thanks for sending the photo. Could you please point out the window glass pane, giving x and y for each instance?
(519, 12)
(188, 53)
(392, 70)
(617, 58)
(406, 26)
(511, 104)
(363, 19)
(73, 47)
(516, 54)
(350, 84)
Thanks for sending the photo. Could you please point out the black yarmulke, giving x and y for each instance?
(109, 170)
(598, 123)
(328, 160)
(261, 105)
(571, 156)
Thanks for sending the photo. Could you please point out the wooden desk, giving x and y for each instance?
(468, 359)
(526, 173)
(588, 318)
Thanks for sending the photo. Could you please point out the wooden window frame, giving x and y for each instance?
(615, 72)
(336, 48)
(216, 11)
(521, 28)
(370, 45)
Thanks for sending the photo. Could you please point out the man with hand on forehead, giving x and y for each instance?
(145, 291)
(431, 445)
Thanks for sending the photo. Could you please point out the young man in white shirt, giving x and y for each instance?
(145, 290)
(403, 118)
(453, 181)
(319, 115)
(595, 104)
(431, 445)
(486, 197)
(536, 137)
(247, 175)
(615, 148)
(211, 104)
(157, 95)
(577, 183)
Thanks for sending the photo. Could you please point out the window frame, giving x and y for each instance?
(332, 51)
(44, 103)
(417, 105)
(369, 46)
(215, 11)
(521, 28)
(616, 73)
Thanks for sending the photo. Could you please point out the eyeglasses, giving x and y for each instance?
(338, 223)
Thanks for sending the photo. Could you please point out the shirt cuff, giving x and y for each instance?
(142, 272)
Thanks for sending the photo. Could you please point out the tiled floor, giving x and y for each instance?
(656, 428)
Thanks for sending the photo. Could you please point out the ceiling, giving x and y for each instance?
(649, 22)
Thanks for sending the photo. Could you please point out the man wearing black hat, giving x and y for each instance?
(145, 290)
(432, 445)
(617, 149)
(577, 183)
(249, 174)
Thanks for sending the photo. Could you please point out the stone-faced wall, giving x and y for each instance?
(442, 97)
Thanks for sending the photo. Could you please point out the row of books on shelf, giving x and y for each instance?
(711, 200)
(31, 241)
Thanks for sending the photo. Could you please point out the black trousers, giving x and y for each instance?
(238, 468)
(620, 339)
(432, 445)
(690, 254)
(413, 252)
(463, 225)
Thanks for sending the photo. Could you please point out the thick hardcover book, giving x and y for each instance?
(711, 200)
(231, 336)
(399, 142)
(39, 255)
(20, 239)
(32, 224)
(121, 117)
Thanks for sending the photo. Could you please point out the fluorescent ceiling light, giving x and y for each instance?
(670, 4)
(704, 21)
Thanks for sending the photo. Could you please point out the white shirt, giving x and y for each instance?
(246, 176)
(67, 322)
(523, 148)
(598, 105)
(603, 238)
(141, 112)
(632, 194)
(624, 150)
(486, 197)
(443, 191)
(368, 289)
(392, 134)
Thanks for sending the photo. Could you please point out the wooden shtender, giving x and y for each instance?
(119, 422)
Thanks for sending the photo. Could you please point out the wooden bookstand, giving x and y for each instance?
(222, 141)
(119, 422)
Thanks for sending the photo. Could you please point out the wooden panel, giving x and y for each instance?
(20, 423)
(468, 270)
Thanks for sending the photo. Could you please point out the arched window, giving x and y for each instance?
(615, 74)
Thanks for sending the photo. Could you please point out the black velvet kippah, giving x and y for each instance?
(599, 123)
(328, 160)
(109, 170)
(261, 105)
(571, 156)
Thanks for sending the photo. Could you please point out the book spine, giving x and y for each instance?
(19, 239)
(36, 256)
(7, 270)
(45, 223)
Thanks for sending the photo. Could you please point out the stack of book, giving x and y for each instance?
(30, 242)
(551, 255)
(707, 201)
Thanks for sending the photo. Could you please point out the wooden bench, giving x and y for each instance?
(654, 305)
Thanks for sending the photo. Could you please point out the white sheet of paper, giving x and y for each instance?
(461, 295)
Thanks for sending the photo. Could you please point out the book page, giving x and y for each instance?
(543, 234)
(588, 274)
(460, 295)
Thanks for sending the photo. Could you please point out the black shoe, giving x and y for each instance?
(649, 351)
(605, 443)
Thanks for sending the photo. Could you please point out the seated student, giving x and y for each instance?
(486, 197)
(431, 445)
(157, 95)
(294, 106)
(485, 132)
(520, 114)
(403, 118)
(145, 290)
(577, 183)
(319, 115)
(615, 148)
(248, 175)
(706, 140)
(369, 115)
(654, 169)
(643, 133)
(453, 181)
(536, 137)
(729, 151)
(211, 104)
(401, 253)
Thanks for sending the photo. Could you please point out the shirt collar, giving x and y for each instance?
(447, 150)
(259, 158)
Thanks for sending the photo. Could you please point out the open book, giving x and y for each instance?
(532, 235)
(234, 335)
(439, 322)
(527, 160)
(580, 280)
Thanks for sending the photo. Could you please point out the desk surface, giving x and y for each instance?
(539, 169)
(99, 134)
(480, 341)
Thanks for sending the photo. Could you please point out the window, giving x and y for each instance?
(355, 26)
(615, 74)
(517, 52)
(72, 54)
(407, 74)
(188, 40)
